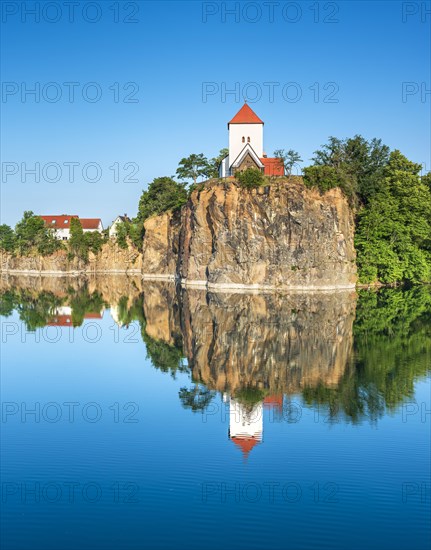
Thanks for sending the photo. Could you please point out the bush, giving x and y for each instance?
(324, 178)
(250, 178)
(163, 194)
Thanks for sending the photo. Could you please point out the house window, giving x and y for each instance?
(64, 238)
(243, 139)
(248, 140)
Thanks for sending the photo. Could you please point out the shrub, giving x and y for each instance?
(250, 178)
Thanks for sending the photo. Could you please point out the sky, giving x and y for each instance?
(123, 90)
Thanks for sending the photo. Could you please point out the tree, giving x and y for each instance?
(163, 194)
(193, 167)
(359, 164)
(427, 180)
(31, 232)
(7, 238)
(393, 233)
(94, 241)
(289, 159)
(214, 163)
(77, 243)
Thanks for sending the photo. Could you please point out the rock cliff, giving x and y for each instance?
(277, 236)
(110, 259)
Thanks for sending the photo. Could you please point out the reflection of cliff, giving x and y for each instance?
(254, 346)
(270, 342)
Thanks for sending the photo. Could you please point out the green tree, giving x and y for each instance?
(32, 233)
(393, 233)
(94, 241)
(249, 178)
(163, 194)
(193, 167)
(427, 180)
(7, 238)
(289, 159)
(214, 163)
(78, 246)
(358, 163)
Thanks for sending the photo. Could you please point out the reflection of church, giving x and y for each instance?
(246, 423)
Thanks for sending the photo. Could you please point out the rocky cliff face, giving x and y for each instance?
(111, 259)
(280, 236)
(277, 236)
(161, 246)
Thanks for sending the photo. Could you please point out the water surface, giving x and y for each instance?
(140, 415)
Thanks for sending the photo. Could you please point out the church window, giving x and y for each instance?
(248, 140)
(243, 139)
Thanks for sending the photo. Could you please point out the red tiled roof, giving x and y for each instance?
(66, 320)
(246, 444)
(90, 223)
(58, 221)
(273, 400)
(63, 221)
(273, 166)
(245, 116)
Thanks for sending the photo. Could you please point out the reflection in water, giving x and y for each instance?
(354, 355)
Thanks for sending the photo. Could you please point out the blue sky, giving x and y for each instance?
(149, 82)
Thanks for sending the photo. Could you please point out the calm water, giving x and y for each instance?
(137, 415)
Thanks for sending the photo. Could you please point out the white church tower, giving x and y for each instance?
(246, 146)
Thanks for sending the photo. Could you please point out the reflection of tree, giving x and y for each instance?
(83, 302)
(392, 347)
(166, 357)
(249, 397)
(34, 310)
(196, 398)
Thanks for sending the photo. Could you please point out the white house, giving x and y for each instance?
(61, 225)
(115, 223)
(246, 146)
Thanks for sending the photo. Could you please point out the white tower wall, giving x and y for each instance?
(245, 423)
(239, 131)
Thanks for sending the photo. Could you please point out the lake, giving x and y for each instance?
(142, 415)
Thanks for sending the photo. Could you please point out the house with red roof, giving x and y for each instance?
(61, 224)
(246, 146)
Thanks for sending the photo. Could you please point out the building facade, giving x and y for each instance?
(61, 225)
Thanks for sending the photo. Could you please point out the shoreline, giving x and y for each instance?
(202, 285)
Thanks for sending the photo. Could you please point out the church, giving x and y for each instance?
(246, 146)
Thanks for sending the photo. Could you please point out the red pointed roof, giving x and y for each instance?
(246, 444)
(245, 115)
